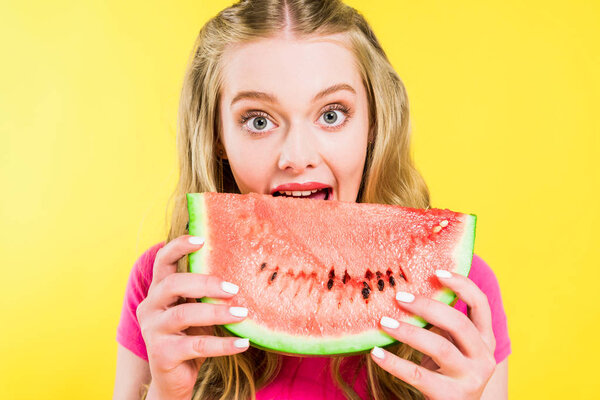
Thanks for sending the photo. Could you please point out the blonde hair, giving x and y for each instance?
(389, 175)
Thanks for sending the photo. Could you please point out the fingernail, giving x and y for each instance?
(229, 287)
(378, 352)
(389, 322)
(241, 343)
(405, 297)
(442, 273)
(196, 240)
(238, 311)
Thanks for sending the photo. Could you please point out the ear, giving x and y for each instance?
(221, 153)
(371, 137)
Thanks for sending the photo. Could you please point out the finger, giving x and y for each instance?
(167, 256)
(478, 306)
(183, 316)
(185, 348)
(443, 352)
(435, 312)
(192, 285)
(431, 384)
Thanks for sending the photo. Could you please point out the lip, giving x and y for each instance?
(300, 186)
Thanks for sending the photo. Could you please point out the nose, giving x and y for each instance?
(299, 150)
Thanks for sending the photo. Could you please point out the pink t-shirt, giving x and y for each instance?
(302, 377)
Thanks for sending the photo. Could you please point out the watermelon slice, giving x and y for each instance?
(318, 275)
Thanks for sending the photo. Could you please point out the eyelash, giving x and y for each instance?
(340, 107)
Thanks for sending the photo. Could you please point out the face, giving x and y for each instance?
(294, 118)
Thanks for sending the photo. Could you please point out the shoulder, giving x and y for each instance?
(128, 331)
(482, 275)
(141, 272)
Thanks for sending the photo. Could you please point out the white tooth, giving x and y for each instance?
(288, 193)
(296, 193)
(306, 193)
(314, 191)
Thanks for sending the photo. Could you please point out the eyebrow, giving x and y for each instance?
(272, 99)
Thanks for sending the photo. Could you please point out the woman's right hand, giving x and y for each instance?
(174, 356)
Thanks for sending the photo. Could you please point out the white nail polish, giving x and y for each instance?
(196, 240)
(442, 273)
(405, 297)
(229, 287)
(238, 311)
(389, 322)
(378, 352)
(241, 343)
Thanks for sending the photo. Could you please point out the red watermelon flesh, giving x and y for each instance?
(316, 275)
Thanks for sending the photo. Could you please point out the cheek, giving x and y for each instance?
(347, 160)
(245, 170)
(350, 153)
(249, 166)
(349, 166)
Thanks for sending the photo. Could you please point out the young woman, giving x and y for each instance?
(296, 95)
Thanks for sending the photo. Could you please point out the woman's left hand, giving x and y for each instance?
(456, 364)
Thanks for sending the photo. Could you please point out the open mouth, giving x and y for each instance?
(318, 194)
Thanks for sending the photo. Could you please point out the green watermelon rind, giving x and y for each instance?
(282, 342)
(196, 227)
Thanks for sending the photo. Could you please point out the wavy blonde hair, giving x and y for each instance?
(389, 175)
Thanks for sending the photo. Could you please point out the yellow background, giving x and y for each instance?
(504, 98)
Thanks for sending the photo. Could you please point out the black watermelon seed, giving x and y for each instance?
(368, 274)
(401, 273)
(380, 285)
(366, 285)
(329, 284)
(365, 293)
(378, 275)
(392, 281)
(331, 274)
(263, 266)
(388, 272)
(273, 276)
(346, 277)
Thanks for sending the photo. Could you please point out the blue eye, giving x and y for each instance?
(261, 123)
(331, 116)
(258, 122)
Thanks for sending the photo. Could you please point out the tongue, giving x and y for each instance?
(319, 195)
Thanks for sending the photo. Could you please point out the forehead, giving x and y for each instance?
(290, 69)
